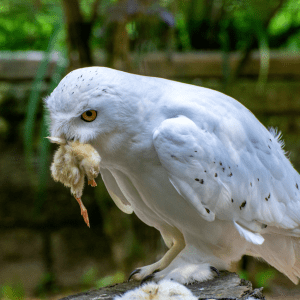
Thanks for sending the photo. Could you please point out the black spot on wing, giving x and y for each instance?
(243, 205)
(199, 180)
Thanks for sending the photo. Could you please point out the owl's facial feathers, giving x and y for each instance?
(81, 91)
(114, 95)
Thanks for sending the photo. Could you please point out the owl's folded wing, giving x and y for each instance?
(229, 182)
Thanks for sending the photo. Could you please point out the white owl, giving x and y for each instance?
(189, 161)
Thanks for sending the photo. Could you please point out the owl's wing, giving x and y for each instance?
(228, 178)
(115, 192)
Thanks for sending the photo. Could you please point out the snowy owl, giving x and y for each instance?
(189, 161)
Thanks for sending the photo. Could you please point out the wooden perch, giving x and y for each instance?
(226, 287)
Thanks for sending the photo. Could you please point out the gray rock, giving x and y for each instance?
(226, 287)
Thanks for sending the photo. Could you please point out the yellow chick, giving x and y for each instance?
(72, 162)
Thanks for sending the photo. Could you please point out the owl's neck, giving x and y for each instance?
(127, 147)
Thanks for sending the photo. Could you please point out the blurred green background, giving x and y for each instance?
(248, 49)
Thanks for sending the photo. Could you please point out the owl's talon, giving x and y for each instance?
(213, 269)
(136, 271)
(147, 278)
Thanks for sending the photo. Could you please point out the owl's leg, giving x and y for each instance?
(175, 249)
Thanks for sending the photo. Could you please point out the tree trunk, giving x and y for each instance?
(79, 33)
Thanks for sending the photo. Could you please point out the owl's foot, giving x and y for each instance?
(185, 268)
(84, 212)
(186, 273)
(92, 183)
(142, 273)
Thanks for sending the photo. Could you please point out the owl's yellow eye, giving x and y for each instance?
(89, 115)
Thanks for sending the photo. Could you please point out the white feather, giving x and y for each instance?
(249, 236)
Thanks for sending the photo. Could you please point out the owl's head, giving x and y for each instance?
(90, 102)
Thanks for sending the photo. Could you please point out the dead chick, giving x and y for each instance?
(163, 290)
(72, 162)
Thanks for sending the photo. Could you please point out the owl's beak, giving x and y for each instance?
(56, 140)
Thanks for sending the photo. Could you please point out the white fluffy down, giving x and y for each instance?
(163, 290)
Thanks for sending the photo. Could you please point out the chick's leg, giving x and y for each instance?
(84, 212)
(92, 183)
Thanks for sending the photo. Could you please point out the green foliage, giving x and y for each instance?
(112, 279)
(13, 291)
(31, 116)
(264, 278)
(26, 25)
(89, 279)
(183, 34)
(243, 274)
(46, 285)
(34, 100)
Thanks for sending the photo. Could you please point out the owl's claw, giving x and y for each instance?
(92, 183)
(84, 212)
(136, 271)
(215, 270)
(147, 278)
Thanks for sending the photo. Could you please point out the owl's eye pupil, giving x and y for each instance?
(89, 113)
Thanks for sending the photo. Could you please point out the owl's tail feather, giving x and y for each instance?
(281, 252)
